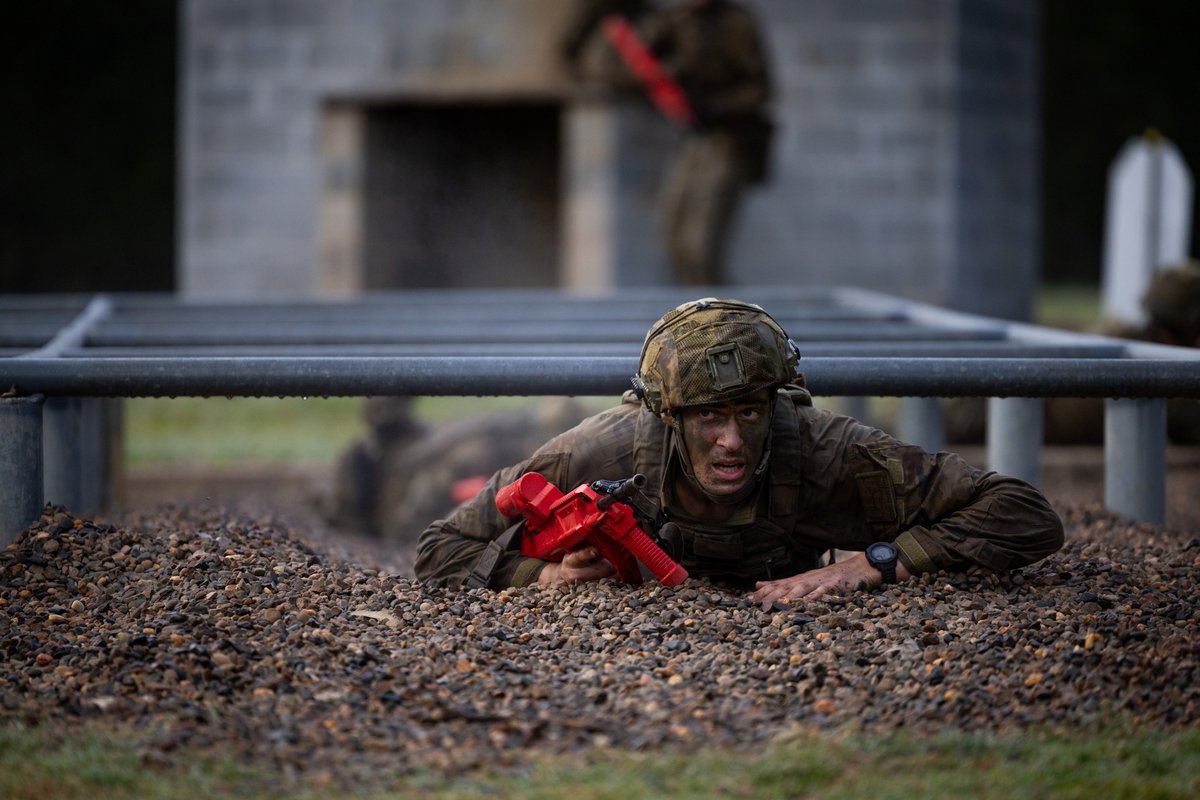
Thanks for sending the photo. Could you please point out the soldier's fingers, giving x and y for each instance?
(817, 591)
(603, 570)
(592, 572)
(772, 591)
(582, 557)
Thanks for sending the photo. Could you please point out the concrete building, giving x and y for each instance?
(332, 147)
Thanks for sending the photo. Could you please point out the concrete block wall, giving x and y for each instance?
(907, 151)
(905, 157)
(254, 79)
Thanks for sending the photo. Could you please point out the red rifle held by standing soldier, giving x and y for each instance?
(594, 514)
(664, 91)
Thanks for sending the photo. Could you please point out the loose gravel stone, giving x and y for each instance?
(198, 629)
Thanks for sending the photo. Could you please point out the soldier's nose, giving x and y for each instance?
(729, 437)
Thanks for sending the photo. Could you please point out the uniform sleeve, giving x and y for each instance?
(941, 512)
(598, 448)
(965, 516)
(449, 548)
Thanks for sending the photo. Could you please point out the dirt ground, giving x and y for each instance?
(1072, 479)
(223, 617)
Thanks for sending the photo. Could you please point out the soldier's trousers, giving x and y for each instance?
(698, 204)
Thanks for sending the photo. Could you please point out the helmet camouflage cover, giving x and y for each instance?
(1173, 298)
(713, 351)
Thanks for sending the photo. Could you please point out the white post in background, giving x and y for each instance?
(588, 255)
(1147, 225)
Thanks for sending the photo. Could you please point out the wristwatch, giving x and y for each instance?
(882, 556)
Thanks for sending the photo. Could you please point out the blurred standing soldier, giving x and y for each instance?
(713, 49)
(711, 54)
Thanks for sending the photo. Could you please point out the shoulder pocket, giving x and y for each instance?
(877, 478)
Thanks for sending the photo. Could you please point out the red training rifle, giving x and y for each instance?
(594, 514)
(664, 91)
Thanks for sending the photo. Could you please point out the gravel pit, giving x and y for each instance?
(198, 629)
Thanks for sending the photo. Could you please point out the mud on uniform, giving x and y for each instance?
(831, 483)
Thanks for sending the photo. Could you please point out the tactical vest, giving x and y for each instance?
(766, 548)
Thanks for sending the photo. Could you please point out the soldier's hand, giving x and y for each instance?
(844, 576)
(584, 564)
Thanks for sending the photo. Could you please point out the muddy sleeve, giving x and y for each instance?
(599, 447)
(449, 548)
(966, 516)
(941, 512)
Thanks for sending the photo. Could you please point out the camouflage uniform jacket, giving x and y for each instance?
(716, 55)
(831, 483)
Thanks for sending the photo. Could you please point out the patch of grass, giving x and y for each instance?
(1071, 306)
(38, 765)
(1142, 765)
(1112, 764)
(220, 431)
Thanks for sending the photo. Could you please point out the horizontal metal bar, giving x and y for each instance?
(1025, 333)
(252, 332)
(495, 312)
(358, 376)
(74, 334)
(939, 349)
(68, 304)
(660, 297)
(30, 334)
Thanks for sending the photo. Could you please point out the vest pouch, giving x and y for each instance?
(758, 552)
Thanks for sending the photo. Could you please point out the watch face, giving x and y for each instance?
(881, 552)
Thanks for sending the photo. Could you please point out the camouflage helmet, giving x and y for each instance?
(1173, 298)
(712, 351)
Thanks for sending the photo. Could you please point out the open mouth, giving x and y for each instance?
(729, 470)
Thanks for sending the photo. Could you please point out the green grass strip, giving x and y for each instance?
(1113, 765)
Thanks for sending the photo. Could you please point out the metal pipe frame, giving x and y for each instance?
(531, 375)
(856, 344)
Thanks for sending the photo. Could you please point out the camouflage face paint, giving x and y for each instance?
(725, 442)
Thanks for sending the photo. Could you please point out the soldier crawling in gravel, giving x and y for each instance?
(760, 484)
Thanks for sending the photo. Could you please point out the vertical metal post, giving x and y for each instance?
(20, 463)
(61, 434)
(78, 453)
(856, 407)
(1015, 427)
(93, 455)
(1135, 458)
(920, 422)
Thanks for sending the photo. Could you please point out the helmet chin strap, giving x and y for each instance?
(679, 446)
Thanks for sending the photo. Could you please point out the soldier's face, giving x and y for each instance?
(725, 442)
